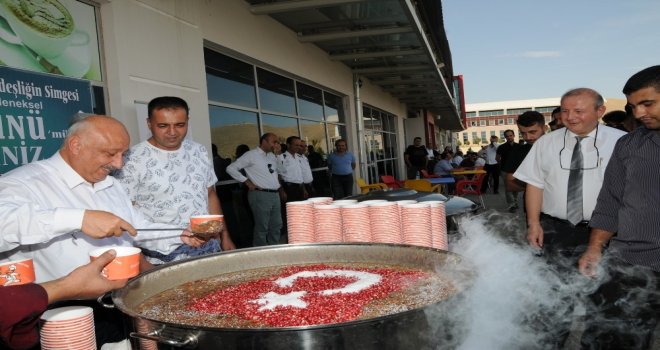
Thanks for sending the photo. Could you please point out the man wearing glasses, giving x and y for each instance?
(558, 202)
(260, 166)
(628, 217)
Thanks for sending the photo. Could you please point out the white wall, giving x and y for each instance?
(414, 128)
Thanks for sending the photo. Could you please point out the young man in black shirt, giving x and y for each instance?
(416, 158)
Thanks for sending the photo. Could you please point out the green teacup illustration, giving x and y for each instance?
(45, 26)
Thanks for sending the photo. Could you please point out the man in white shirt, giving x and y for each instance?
(492, 167)
(170, 178)
(308, 178)
(260, 165)
(547, 170)
(289, 167)
(55, 211)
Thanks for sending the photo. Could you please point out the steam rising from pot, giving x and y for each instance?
(512, 288)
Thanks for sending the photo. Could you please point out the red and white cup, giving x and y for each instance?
(125, 265)
(17, 272)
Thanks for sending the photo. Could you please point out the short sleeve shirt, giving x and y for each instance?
(515, 157)
(547, 166)
(417, 155)
(168, 186)
(342, 165)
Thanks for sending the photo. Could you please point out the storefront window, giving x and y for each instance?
(283, 127)
(380, 143)
(314, 134)
(284, 106)
(334, 110)
(232, 127)
(310, 102)
(229, 81)
(276, 93)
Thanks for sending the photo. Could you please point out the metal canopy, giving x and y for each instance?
(398, 46)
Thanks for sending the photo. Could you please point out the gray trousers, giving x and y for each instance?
(266, 210)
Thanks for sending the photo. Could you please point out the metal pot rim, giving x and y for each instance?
(117, 297)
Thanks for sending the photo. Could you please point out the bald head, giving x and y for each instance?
(94, 146)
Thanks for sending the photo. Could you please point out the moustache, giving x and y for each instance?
(109, 168)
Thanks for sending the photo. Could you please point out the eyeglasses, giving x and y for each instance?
(270, 168)
(571, 151)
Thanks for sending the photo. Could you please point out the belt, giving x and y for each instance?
(583, 223)
(266, 190)
(292, 184)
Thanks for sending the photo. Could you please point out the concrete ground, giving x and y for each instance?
(498, 202)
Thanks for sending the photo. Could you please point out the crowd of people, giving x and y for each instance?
(591, 195)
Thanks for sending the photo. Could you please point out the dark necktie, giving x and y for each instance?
(574, 197)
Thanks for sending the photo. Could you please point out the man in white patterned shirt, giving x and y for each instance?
(170, 178)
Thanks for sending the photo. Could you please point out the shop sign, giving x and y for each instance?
(35, 111)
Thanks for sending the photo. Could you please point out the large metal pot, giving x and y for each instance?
(424, 328)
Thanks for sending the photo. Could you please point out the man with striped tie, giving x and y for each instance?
(627, 216)
(558, 202)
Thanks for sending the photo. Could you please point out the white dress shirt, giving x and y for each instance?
(289, 166)
(257, 165)
(42, 205)
(306, 169)
(491, 154)
(542, 169)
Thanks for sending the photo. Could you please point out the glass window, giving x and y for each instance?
(465, 137)
(336, 132)
(232, 127)
(373, 121)
(500, 121)
(474, 136)
(482, 122)
(310, 102)
(517, 111)
(510, 121)
(473, 123)
(501, 134)
(545, 109)
(389, 145)
(471, 114)
(283, 127)
(313, 132)
(491, 122)
(380, 143)
(492, 133)
(385, 121)
(275, 92)
(334, 110)
(491, 113)
(377, 145)
(228, 80)
(483, 137)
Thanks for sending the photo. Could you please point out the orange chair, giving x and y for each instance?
(426, 175)
(365, 187)
(390, 181)
(471, 186)
(422, 185)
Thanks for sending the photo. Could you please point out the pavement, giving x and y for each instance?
(497, 202)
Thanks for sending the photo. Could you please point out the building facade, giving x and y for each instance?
(321, 70)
